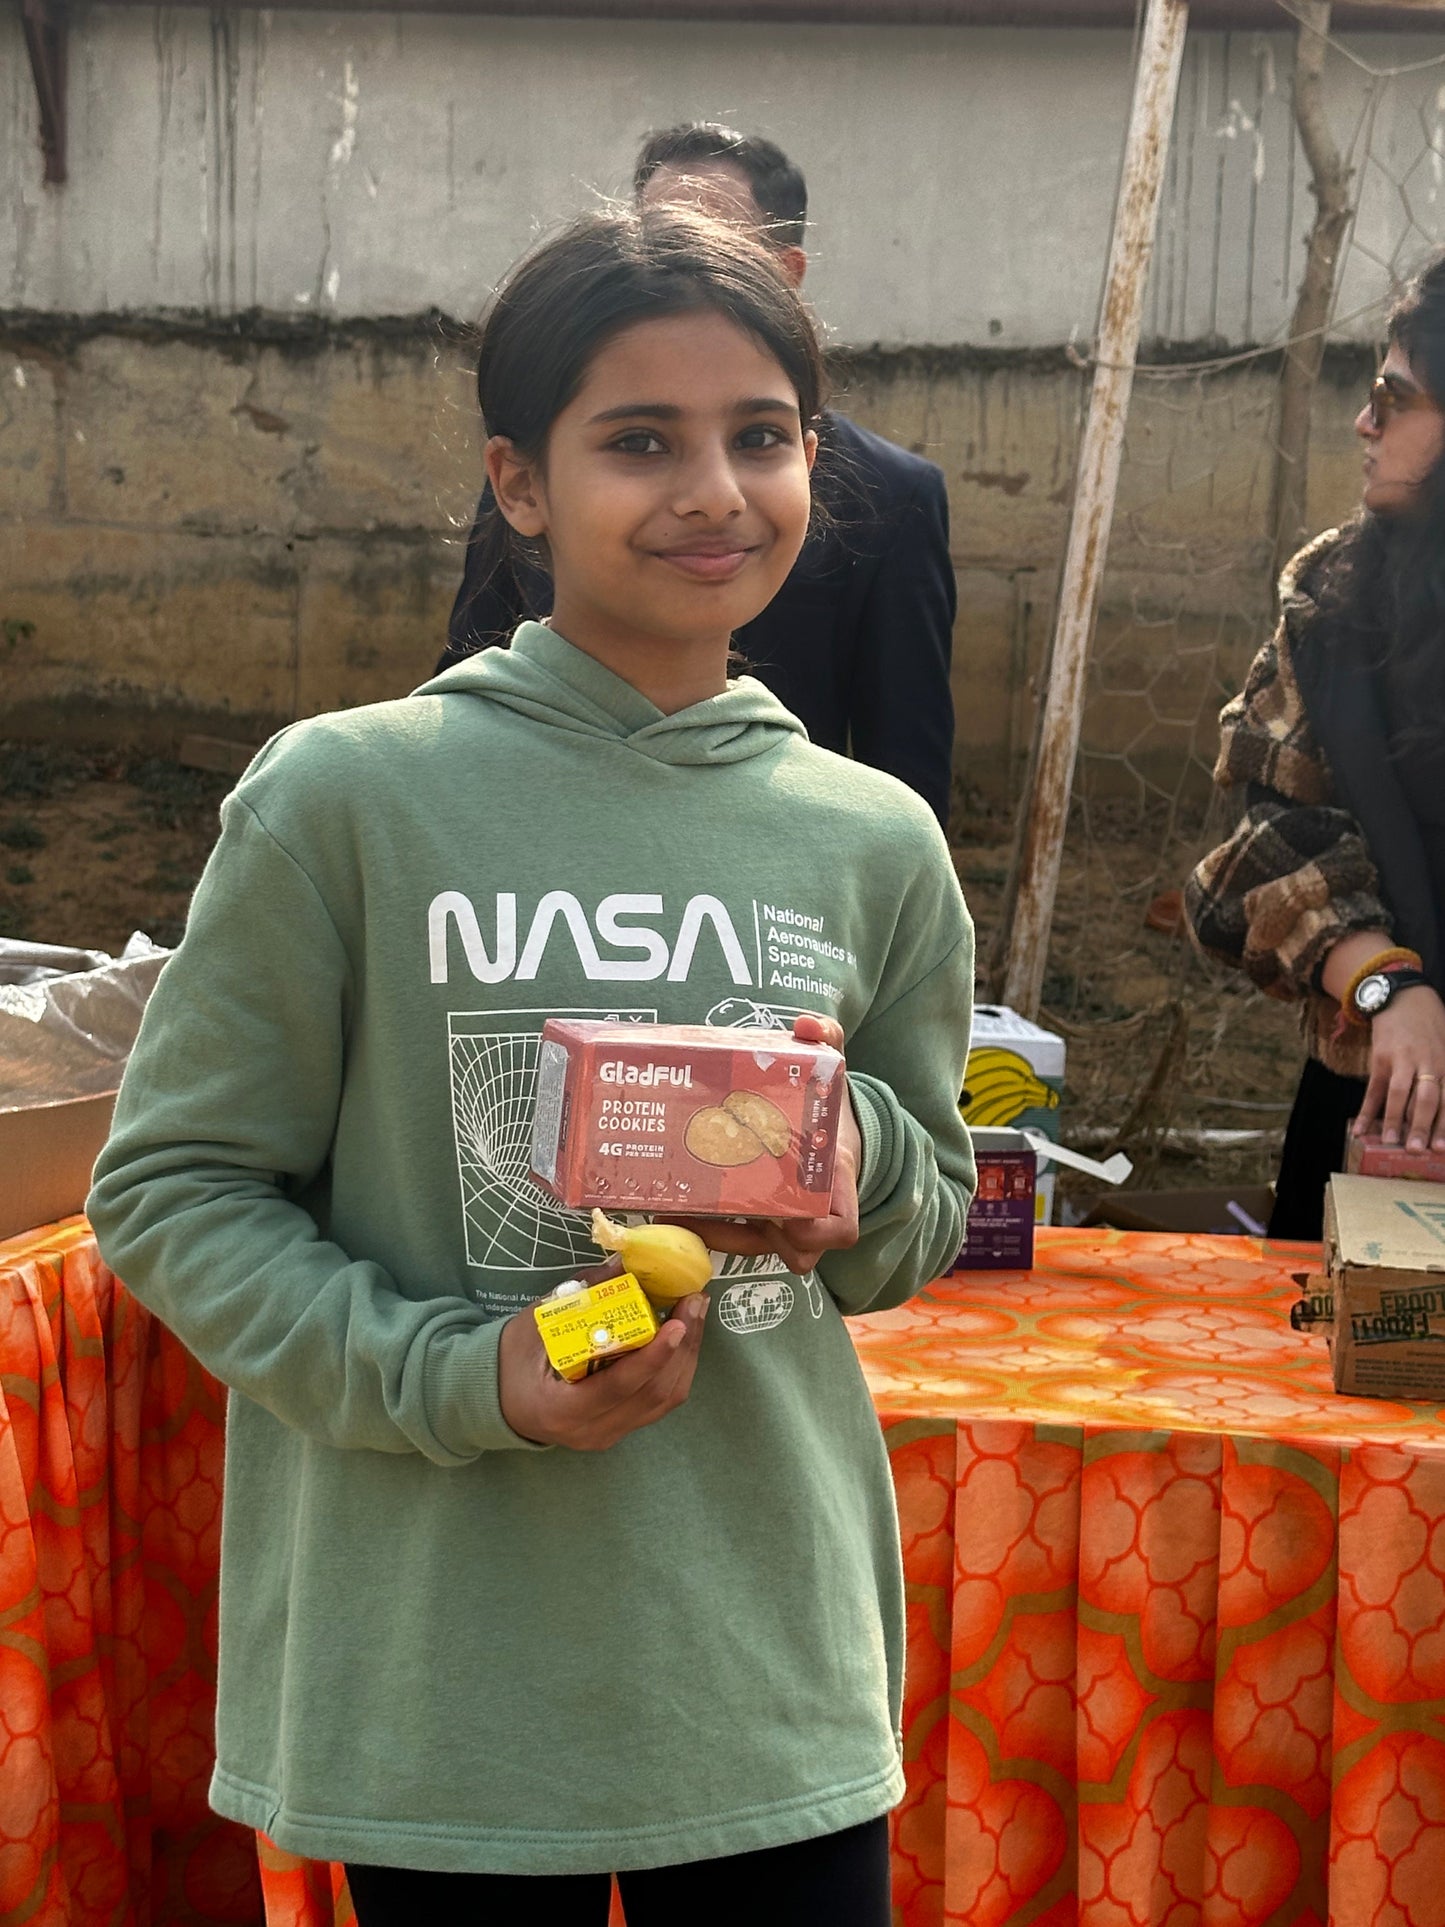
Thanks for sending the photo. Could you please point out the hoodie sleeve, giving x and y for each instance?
(226, 1114)
(906, 1065)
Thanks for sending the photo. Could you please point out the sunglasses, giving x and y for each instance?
(1386, 400)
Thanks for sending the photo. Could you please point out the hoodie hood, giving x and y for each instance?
(543, 676)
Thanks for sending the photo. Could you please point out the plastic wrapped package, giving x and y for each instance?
(32, 963)
(68, 1020)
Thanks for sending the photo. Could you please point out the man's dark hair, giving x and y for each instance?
(777, 184)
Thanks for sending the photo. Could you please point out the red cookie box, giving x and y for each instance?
(1371, 1157)
(685, 1119)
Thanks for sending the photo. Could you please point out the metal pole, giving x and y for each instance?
(1330, 185)
(1156, 83)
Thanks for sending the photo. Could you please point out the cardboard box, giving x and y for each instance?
(1207, 1209)
(1371, 1157)
(1000, 1234)
(1385, 1260)
(1015, 1078)
(686, 1119)
(1314, 1310)
(46, 1155)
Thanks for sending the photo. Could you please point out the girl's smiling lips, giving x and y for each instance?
(707, 561)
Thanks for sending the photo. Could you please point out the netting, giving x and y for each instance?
(1187, 1066)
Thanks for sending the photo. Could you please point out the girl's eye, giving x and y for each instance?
(764, 435)
(638, 441)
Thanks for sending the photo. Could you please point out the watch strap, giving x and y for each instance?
(1387, 961)
(1399, 977)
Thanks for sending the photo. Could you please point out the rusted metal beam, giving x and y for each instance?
(1041, 846)
(1259, 16)
(45, 24)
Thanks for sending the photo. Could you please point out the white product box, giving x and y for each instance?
(1015, 1079)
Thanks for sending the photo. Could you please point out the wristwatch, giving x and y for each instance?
(1374, 993)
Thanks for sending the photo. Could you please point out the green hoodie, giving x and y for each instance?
(441, 1646)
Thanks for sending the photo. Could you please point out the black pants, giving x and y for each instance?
(1325, 1106)
(840, 1880)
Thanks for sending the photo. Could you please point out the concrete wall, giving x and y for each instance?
(232, 530)
(370, 164)
(235, 465)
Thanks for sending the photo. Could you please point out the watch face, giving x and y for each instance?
(1372, 994)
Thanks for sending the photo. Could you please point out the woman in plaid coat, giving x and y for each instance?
(1331, 891)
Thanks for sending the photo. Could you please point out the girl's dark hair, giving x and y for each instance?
(1383, 586)
(605, 273)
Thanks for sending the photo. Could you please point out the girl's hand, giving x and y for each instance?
(801, 1242)
(1407, 1064)
(635, 1390)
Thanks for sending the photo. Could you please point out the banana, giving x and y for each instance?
(1001, 1087)
(666, 1260)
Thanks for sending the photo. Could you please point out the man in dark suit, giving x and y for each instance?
(858, 641)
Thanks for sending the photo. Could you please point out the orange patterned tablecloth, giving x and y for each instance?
(1177, 1612)
(110, 1512)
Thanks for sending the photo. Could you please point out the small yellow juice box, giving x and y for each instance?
(582, 1326)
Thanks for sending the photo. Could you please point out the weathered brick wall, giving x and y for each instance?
(231, 526)
(240, 528)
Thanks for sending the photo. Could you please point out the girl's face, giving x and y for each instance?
(674, 491)
(1404, 435)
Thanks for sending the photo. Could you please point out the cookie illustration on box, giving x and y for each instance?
(762, 1117)
(743, 1127)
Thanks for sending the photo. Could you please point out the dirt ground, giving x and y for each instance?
(1163, 1054)
(1184, 1066)
(94, 846)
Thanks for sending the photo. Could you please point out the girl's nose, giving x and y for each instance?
(1365, 425)
(708, 486)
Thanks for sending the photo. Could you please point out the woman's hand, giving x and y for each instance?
(636, 1389)
(1407, 1064)
(801, 1242)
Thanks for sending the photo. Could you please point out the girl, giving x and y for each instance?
(1332, 888)
(486, 1636)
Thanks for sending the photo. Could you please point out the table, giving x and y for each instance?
(1176, 1611)
(110, 1509)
